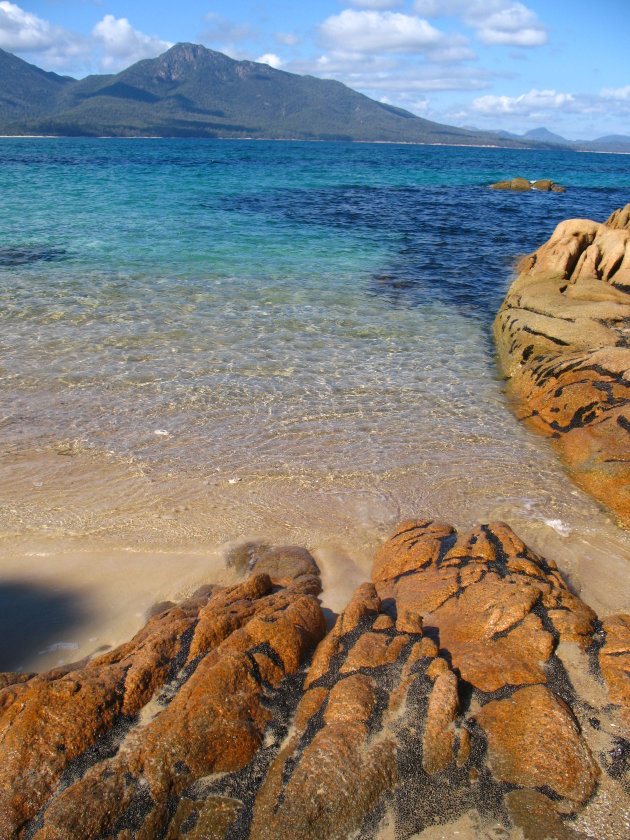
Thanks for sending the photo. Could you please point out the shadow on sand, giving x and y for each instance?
(32, 618)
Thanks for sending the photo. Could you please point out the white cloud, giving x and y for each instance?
(123, 45)
(289, 39)
(408, 83)
(24, 32)
(371, 31)
(495, 21)
(271, 59)
(533, 103)
(622, 94)
(113, 43)
(20, 30)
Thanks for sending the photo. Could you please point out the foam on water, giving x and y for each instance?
(207, 342)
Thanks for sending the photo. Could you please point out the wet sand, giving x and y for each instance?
(91, 543)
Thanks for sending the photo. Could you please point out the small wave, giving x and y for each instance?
(59, 646)
(558, 526)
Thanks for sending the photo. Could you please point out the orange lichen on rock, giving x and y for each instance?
(534, 740)
(563, 340)
(614, 661)
(437, 692)
(215, 721)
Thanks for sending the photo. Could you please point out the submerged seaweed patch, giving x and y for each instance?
(27, 254)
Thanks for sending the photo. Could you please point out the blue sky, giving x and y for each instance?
(562, 64)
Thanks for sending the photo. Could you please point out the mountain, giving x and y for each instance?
(610, 143)
(193, 91)
(543, 135)
(619, 143)
(27, 91)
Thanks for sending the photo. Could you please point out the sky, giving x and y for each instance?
(487, 64)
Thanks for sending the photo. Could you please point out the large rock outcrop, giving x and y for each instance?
(563, 340)
(79, 759)
(444, 692)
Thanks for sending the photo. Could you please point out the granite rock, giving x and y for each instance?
(437, 695)
(523, 185)
(614, 661)
(208, 666)
(534, 741)
(563, 341)
(420, 723)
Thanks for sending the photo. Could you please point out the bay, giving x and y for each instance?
(205, 342)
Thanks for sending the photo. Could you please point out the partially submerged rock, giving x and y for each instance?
(524, 185)
(436, 695)
(563, 340)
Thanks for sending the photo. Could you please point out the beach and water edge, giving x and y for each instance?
(208, 349)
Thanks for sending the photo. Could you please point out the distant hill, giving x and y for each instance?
(612, 143)
(543, 135)
(192, 91)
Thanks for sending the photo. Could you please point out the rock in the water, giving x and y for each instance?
(436, 697)
(545, 185)
(563, 339)
(523, 185)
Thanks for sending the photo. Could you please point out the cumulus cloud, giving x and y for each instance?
(534, 102)
(622, 94)
(271, 59)
(20, 30)
(495, 21)
(123, 45)
(112, 45)
(24, 32)
(374, 31)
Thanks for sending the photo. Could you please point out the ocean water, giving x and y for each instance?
(204, 342)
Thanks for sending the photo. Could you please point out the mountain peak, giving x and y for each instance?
(543, 135)
(176, 63)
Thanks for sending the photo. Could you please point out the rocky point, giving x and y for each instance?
(563, 340)
(463, 685)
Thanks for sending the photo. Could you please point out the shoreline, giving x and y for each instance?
(180, 535)
(255, 623)
(306, 140)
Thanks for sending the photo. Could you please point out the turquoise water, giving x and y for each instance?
(288, 297)
(201, 341)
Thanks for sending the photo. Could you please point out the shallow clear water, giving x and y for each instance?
(204, 341)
